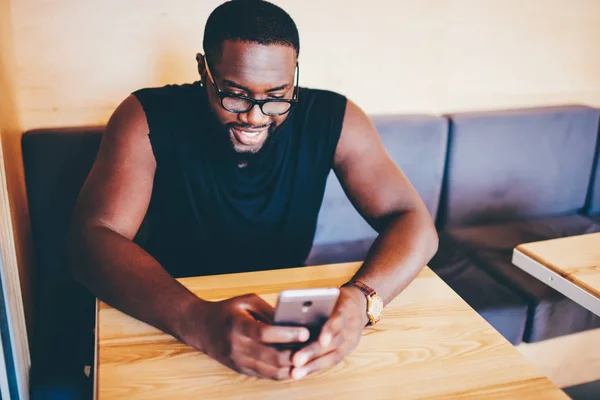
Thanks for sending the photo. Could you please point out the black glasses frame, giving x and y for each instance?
(224, 94)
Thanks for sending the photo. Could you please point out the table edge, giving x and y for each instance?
(429, 273)
(546, 274)
(523, 248)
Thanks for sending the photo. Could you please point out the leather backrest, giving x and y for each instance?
(594, 195)
(56, 164)
(418, 146)
(508, 165)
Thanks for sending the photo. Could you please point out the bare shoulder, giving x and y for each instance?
(128, 121)
(359, 136)
(117, 191)
(126, 138)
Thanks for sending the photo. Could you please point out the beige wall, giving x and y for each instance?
(70, 62)
(77, 59)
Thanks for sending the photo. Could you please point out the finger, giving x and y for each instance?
(258, 307)
(267, 354)
(265, 333)
(315, 350)
(331, 328)
(237, 365)
(253, 367)
(247, 371)
(328, 360)
(282, 334)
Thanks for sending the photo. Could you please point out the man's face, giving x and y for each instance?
(257, 71)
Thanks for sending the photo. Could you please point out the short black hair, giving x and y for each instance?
(254, 21)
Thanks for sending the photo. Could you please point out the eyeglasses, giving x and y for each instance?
(237, 103)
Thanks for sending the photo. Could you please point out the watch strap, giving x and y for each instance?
(363, 288)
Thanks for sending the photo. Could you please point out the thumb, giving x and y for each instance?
(259, 308)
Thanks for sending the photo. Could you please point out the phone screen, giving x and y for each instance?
(310, 308)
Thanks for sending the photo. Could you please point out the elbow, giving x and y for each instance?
(421, 222)
(430, 235)
(429, 239)
(433, 241)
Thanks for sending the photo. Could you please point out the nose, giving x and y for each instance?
(254, 117)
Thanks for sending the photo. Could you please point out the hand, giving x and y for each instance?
(236, 332)
(338, 338)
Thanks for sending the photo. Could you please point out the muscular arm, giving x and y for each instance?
(109, 212)
(103, 257)
(386, 199)
(407, 238)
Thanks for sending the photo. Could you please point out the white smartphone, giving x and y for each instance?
(306, 307)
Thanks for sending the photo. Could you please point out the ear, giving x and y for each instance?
(201, 67)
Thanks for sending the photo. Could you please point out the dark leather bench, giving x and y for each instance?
(515, 177)
(593, 209)
(56, 165)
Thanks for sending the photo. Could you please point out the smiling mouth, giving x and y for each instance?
(250, 134)
(248, 137)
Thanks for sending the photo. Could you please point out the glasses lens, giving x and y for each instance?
(236, 104)
(276, 107)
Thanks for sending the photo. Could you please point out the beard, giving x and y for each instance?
(252, 155)
(221, 138)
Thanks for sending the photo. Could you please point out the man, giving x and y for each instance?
(230, 172)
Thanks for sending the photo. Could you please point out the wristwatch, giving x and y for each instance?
(374, 302)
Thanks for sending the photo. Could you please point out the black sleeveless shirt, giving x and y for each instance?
(209, 216)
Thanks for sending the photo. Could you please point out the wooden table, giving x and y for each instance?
(571, 265)
(429, 345)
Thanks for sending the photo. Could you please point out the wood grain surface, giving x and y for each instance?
(429, 345)
(577, 258)
(567, 360)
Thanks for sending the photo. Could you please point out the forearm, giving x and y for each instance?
(125, 276)
(402, 249)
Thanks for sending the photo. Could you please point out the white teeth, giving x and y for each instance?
(250, 134)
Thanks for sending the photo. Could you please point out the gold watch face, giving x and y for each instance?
(376, 307)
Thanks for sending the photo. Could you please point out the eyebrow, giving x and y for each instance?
(230, 83)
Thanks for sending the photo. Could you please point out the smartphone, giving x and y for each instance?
(305, 307)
